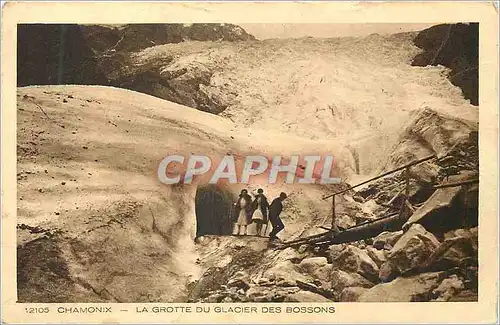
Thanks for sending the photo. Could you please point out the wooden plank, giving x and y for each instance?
(454, 184)
(382, 175)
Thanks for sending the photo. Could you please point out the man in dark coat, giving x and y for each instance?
(274, 216)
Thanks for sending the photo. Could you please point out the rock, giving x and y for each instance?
(404, 289)
(358, 198)
(306, 296)
(355, 260)
(345, 221)
(227, 299)
(387, 272)
(318, 267)
(351, 294)
(256, 292)
(286, 271)
(341, 280)
(448, 288)
(459, 248)
(378, 256)
(471, 278)
(333, 252)
(413, 249)
(454, 46)
(425, 174)
(290, 254)
(276, 297)
(386, 237)
(466, 295)
(262, 281)
(215, 298)
(286, 283)
(435, 208)
(238, 284)
(313, 262)
(302, 249)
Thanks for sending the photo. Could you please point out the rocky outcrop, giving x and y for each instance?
(50, 54)
(99, 55)
(433, 132)
(455, 46)
(136, 37)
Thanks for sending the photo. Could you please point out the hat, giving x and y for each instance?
(283, 195)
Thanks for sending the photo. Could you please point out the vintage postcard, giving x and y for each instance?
(244, 162)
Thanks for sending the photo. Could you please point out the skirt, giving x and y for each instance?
(242, 218)
(257, 216)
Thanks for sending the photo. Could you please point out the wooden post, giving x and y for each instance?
(403, 209)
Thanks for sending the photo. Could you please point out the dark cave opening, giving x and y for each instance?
(213, 211)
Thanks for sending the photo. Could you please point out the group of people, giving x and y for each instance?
(260, 212)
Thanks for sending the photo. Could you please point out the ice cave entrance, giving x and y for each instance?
(213, 210)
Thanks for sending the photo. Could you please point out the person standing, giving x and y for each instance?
(260, 206)
(274, 216)
(242, 211)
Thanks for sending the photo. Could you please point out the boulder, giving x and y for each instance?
(311, 263)
(436, 209)
(345, 221)
(341, 280)
(471, 234)
(388, 272)
(227, 299)
(286, 272)
(238, 284)
(425, 174)
(306, 296)
(404, 289)
(387, 237)
(302, 249)
(355, 260)
(413, 249)
(293, 255)
(448, 288)
(333, 252)
(459, 248)
(318, 267)
(378, 256)
(352, 294)
(256, 292)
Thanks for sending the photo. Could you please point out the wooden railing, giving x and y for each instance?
(407, 187)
